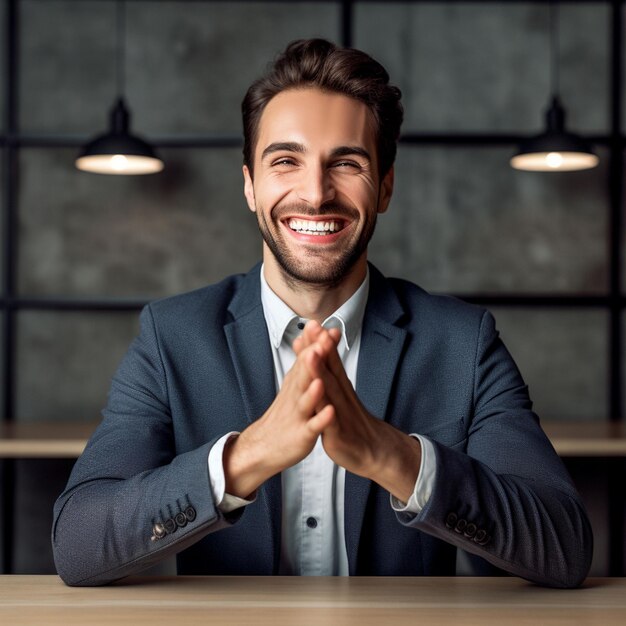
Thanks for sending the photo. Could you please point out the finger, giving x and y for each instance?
(322, 420)
(328, 341)
(338, 391)
(311, 331)
(311, 398)
(298, 344)
(312, 360)
(336, 367)
(335, 335)
(324, 343)
(307, 337)
(332, 388)
(302, 372)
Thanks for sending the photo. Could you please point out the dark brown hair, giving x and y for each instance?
(322, 64)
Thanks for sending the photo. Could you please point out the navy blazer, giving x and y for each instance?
(202, 366)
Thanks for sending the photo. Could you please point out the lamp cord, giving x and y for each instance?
(554, 49)
(120, 48)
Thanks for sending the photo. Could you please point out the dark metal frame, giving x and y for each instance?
(614, 301)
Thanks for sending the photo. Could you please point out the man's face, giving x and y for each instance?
(316, 189)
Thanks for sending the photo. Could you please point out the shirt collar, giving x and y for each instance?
(282, 322)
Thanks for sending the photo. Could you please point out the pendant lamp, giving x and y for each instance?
(118, 151)
(555, 150)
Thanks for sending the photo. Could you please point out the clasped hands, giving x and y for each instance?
(317, 399)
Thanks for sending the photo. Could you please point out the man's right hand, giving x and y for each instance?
(287, 431)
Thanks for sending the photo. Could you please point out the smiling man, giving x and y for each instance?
(312, 417)
(317, 189)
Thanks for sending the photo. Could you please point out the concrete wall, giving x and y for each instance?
(461, 220)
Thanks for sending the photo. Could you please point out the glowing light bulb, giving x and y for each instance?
(119, 162)
(554, 160)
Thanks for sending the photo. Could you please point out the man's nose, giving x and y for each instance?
(315, 186)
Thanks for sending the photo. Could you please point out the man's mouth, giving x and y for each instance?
(315, 227)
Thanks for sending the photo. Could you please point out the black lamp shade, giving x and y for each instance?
(556, 149)
(119, 152)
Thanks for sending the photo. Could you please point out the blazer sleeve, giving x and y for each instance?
(130, 500)
(505, 495)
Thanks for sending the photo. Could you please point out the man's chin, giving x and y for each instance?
(310, 274)
(322, 267)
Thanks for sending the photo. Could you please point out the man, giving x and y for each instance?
(234, 436)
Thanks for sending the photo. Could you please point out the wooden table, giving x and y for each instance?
(67, 439)
(304, 601)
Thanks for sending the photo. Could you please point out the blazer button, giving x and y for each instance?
(170, 526)
(158, 531)
(470, 530)
(481, 537)
(451, 520)
(460, 526)
(190, 513)
(180, 519)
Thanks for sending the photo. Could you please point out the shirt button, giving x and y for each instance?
(311, 522)
(300, 325)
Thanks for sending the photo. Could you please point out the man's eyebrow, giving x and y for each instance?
(292, 146)
(351, 150)
(283, 146)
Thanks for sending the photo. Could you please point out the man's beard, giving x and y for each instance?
(328, 274)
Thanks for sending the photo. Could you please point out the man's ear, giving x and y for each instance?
(385, 191)
(248, 189)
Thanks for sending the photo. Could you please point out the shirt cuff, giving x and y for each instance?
(225, 502)
(424, 483)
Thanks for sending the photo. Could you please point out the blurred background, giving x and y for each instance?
(81, 253)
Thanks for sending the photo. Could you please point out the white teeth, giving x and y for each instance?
(310, 227)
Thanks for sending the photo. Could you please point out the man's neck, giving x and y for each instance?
(309, 300)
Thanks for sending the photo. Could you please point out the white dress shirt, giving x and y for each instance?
(312, 535)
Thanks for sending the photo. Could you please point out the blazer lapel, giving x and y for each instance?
(250, 350)
(382, 343)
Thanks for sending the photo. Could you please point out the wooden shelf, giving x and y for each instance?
(68, 439)
(44, 440)
(587, 439)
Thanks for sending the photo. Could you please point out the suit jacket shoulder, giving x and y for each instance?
(213, 302)
(416, 305)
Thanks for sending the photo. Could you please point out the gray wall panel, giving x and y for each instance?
(188, 63)
(463, 221)
(191, 63)
(66, 360)
(88, 234)
(562, 355)
(67, 65)
(476, 66)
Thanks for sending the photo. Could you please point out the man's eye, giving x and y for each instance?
(284, 161)
(347, 164)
